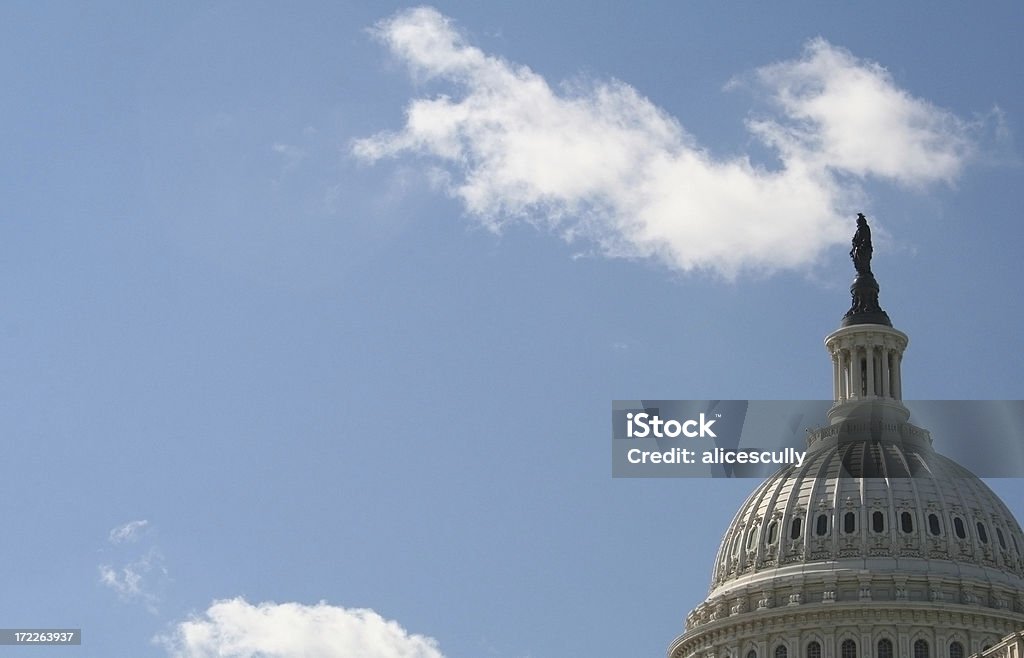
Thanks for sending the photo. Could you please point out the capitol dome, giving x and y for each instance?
(876, 546)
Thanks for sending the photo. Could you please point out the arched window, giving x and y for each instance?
(822, 529)
(885, 648)
(849, 522)
(878, 522)
(921, 649)
(751, 654)
(907, 522)
(956, 650)
(794, 529)
(982, 535)
(933, 524)
(751, 538)
(781, 651)
(848, 649)
(770, 537)
(958, 528)
(1002, 539)
(814, 650)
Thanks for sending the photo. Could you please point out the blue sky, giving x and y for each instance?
(327, 302)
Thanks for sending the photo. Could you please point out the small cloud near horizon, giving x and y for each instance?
(235, 628)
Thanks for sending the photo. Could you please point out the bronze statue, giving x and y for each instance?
(864, 307)
(861, 251)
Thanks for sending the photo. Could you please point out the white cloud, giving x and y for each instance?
(846, 114)
(137, 580)
(600, 163)
(129, 532)
(141, 574)
(238, 629)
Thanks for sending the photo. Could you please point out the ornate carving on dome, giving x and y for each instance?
(820, 549)
(908, 548)
(766, 601)
(879, 546)
(795, 553)
(739, 607)
(796, 598)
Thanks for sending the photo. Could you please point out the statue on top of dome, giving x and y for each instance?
(861, 250)
(864, 308)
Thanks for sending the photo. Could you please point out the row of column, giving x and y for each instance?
(866, 371)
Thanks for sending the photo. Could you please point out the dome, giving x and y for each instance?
(875, 545)
(874, 526)
(887, 504)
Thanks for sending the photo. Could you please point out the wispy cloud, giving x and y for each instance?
(235, 628)
(597, 162)
(138, 580)
(138, 577)
(129, 532)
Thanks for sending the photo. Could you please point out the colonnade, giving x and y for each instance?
(866, 364)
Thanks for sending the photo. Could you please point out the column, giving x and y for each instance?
(847, 365)
(836, 368)
(869, 359)
(885, 372)
(897, 380)
(854, 371)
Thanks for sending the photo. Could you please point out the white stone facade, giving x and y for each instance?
(875, 547)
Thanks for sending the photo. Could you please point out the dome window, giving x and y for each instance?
(848, 649)
(885, 648)
(849, 523)
(770, 536)
(958, 528)
(956, 650)
(814, 650)
(781, 651)
(921, 649)
(822, 525)
(751, 539)
(982, 535)
(795, 528)
(933, 525)
(1016, 548)
(907, 522)
(751, 654)
(878, 521)
(1001, 538)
